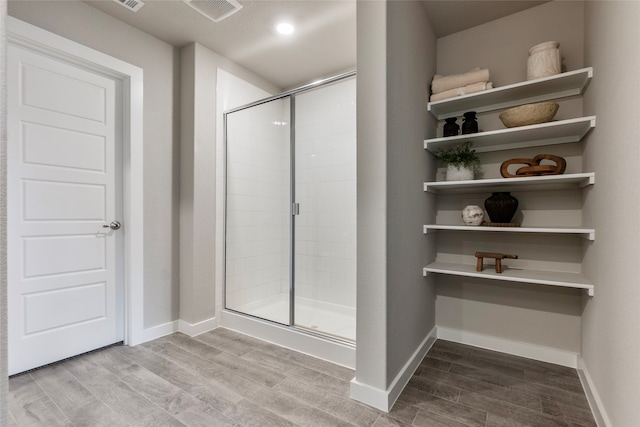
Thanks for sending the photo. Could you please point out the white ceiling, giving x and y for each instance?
(323, 45)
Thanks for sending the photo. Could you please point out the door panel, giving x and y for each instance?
(49, 255)
(48, 146)
(49, 89)
(258, 211)
(65, 286)
(325, 233)
(53, 309)
(49, 201)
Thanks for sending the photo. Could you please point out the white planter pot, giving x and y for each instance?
(459, 174)
(544, 60)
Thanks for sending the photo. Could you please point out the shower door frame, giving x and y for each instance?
(291, 94)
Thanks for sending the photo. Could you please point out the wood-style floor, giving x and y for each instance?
(222, 378)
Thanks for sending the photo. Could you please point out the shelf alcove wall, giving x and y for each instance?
(611, 320)
(535, 315)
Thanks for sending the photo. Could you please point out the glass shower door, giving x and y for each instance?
(325, 229)
(258, 211)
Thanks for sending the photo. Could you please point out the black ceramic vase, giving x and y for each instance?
(470, 124)
(450, 128)
(501, 207)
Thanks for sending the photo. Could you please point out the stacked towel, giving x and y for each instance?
(466, 90)
(443, 87)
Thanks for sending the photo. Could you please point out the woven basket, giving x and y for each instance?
(529, 114)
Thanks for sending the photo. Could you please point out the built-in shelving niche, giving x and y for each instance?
(559, 86)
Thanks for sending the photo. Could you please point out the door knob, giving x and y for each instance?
(115, 225)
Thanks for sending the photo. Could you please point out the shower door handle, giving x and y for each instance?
(295, 209)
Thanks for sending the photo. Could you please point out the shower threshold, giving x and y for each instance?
(334, 320)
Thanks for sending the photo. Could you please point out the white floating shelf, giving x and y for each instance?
(530, 183)
(549, 278)
(587, 233)
(562, 85)
(560, 132)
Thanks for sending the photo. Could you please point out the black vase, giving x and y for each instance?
(470, 124)
(450, 128)
(501, 207)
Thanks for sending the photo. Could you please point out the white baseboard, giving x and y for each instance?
(517, 348)
(193, 329)
(384, 399)
(403, 377)
(154, 332)
(169, 328)
(597, 408)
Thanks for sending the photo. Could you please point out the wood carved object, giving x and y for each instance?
(532, 167)
(497, 256)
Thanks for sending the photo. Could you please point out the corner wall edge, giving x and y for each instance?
(385, 399)
(593, 397)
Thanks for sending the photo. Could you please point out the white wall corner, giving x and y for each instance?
(155, 332)
(374, 397)
(193, 329)
(385, 399)
(595, 402)
(516, 348)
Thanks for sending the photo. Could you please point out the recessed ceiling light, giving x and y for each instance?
(285, 28)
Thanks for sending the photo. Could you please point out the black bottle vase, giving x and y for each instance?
(470, 124)
(501, 207)
(450, 128)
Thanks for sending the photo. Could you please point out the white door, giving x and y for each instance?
(65, 294)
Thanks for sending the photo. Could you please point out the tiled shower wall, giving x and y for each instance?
(325, 243)
(258, 194)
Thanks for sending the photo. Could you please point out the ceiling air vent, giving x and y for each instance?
(132, 5)
(216, 10)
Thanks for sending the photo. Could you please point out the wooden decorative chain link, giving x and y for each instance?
(533, 166)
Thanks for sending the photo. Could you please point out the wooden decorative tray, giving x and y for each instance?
(500, 224)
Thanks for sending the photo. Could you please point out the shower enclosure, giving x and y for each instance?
(290, 219)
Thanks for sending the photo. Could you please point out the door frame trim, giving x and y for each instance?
(25, 35)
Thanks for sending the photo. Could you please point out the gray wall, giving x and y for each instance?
(3, 216)
(199, 67)
(411, 51)
(502, 45)
(82, 23)
(611, 319)
(371, 319)
(194, 306)
(396, 49)
(544, 316)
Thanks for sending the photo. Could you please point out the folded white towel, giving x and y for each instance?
(442, 83)
(459, 91)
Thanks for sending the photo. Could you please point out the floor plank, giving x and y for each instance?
(117, 395)
(430, 419)
(29, 405)
(178, 403)
(487, 388)
(64, 389)
(346, 409)
(446, 408)
(223, 378)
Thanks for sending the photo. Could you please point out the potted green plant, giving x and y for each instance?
(460, 160)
